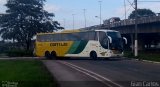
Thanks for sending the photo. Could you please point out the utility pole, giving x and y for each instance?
(100, 15)
(136, 31)
(125, 8)
(84, 17)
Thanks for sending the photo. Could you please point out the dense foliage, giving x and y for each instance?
(25, 18)
(142, 13)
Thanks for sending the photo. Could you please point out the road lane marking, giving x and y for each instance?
(90, 73)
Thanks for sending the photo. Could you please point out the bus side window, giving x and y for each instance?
(52, 37)
(83, 36)
(42, 38)
(57, 37)
(101, 35)
(47, 38)
(72, 37)
(92, 35)
(76, 36)
(96, 36)
(39, 38)
(65, 37)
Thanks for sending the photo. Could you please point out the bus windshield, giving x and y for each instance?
(116, 41)
(114, 34)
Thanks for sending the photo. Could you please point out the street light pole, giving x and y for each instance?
(100, 15)
(64, 21)
(84, 17)
(73, 20)
(136, 31)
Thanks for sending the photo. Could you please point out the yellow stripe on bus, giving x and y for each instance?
(61, 48)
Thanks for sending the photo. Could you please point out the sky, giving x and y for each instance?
(64, 10)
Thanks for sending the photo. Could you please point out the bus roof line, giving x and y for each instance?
(74, 31)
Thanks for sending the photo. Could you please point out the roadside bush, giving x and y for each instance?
(19, 53)
(128, 54)
(144, 55)
(153, 56)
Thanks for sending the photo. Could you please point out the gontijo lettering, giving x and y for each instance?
(58, 44)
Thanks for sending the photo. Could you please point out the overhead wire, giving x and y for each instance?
(131, 3)
(131, 6)
(150, 1)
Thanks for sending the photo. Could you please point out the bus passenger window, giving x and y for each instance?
(56, 37)
(76, 36)
(92, 35)
(64, 37)
(102, 35)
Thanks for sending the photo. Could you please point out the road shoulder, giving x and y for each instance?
(68, 77)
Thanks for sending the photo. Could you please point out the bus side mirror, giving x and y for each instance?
(125, 39)
(110, 39)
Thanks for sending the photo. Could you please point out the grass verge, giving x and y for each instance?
(151, 56)
(25, 73)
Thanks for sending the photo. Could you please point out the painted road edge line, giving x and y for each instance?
(88, 72)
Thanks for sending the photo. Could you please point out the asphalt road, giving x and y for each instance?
(104, 73)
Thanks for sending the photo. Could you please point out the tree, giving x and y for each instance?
(25, 18)
(142, 13)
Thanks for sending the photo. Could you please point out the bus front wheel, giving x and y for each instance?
(47, 55)
(93, 55)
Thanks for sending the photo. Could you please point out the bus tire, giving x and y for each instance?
(47, 55)
(53, 55)
(93, 55)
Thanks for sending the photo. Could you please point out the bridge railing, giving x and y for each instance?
(127, 22)
(132, 21)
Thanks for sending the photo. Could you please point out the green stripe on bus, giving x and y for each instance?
(81, 47)
(74, 47)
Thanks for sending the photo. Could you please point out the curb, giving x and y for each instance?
(12, 58)
(142, 60)
(148, 61)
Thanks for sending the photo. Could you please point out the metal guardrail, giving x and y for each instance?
(126, 22)
(132, 21)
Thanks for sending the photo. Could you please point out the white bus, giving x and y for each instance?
(80, 43)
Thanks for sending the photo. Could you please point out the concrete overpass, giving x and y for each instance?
(148, 31)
